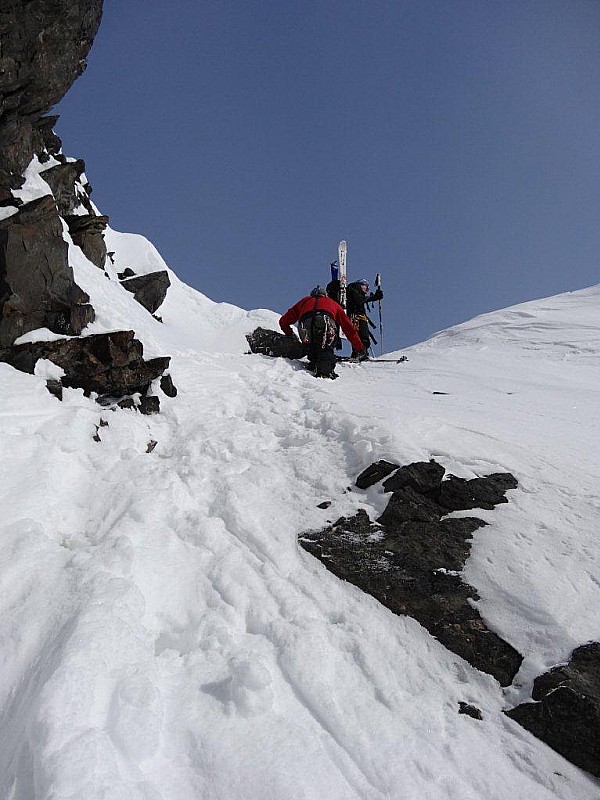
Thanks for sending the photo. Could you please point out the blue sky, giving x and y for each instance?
(453, 143)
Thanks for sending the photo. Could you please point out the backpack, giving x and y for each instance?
(333, 290)
(317, 329)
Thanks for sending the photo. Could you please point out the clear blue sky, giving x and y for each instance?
(454, 143)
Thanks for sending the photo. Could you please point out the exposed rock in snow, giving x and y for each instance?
(374, 473)
(109, 364)
(150, 289)
(274, 343)
(411, 561)
(567, 713)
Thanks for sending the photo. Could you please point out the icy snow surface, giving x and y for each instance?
(163, 635)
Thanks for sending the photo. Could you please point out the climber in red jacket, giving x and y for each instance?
(318, 318)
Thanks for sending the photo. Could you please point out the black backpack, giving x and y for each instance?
(317, 329)
(333, 290)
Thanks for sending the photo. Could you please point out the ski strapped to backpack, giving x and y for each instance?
(342, 252)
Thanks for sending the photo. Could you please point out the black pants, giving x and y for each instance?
(322, 358)
(362, 327)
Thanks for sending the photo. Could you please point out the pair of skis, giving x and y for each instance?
(342, 276)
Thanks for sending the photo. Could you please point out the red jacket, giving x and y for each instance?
(329, 306)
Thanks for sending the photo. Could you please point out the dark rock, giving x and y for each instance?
(110, 364)
(167, 386)
(272, 343)
(63, 180)
(149, 290)
(37, 286)
(49, 143)
(127, 402)
(455, 494)
(149, 405)
(103, 423)
(471, 711)
(9, 200)
(411, 563)
(87, 232)
(422, 476)
(44, 47)
(151, 445)
(567, 714)
(324, 504)
(127, 272)
(429, 546)
(408, 505)
(458, 494)
(55, 388)
(375, 473)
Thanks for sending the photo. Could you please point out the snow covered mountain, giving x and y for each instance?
(162, 633)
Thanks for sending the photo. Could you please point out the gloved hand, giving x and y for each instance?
(378, 295)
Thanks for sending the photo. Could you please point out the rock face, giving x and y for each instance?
(272, 343)
(567, 713)
(44, 47)
(410, 560)
(42, 51)
(37, 288)
(110, 364)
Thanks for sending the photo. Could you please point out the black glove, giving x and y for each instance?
(378, 295)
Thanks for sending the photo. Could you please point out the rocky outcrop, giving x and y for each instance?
(37, 287)
(44, 47)
(74, 206)
(272, 343)
(43, 50)
(410, 559)
(87, 232)
(149, 290)
(64, 180)
(566, 714)
(109, 364)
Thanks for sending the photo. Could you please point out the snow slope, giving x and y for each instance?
(163, 635)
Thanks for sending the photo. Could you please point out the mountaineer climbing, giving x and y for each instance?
(356, 300)
(318, 317)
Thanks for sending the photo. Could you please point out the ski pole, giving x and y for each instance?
(378, 285)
